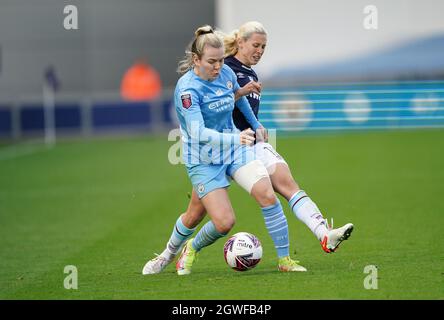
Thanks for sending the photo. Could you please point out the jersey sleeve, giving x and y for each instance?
(244, 106)
(189, 104)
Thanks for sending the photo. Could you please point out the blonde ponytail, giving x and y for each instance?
(230, 42)
(203, 36)
(244, 32)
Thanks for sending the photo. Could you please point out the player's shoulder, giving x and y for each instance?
(231, 60)
(227, 72)
(241, 71)
(187, 83)
(186, 79)
(226, 68)
(233, 63)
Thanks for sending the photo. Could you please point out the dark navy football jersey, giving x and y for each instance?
(244, 75)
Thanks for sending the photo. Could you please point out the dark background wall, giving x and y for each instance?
(112, 35)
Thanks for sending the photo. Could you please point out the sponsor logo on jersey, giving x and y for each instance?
(240, 75)
(255, 96)
(186, 100)
(221, 105)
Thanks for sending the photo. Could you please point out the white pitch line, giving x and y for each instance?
(20, 150)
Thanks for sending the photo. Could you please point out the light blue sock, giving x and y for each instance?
(178, 237)
(206, 236)
(277, 227)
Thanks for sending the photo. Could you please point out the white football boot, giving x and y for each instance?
(334, 237)
(156, 265)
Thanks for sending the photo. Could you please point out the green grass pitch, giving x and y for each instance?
(105, 206)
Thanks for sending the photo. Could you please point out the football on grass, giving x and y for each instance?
(243, 251)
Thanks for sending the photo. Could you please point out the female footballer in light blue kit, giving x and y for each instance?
(213, 147)
(244, 48)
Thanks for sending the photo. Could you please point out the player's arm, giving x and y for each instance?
(244, 107)
(259, 129)
(243, 104)
(250, 87)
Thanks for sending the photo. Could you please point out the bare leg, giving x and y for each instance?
(222, 217)
(219, 209)
(283, 182)
(302, 206)
(263, 192)
(195, 212)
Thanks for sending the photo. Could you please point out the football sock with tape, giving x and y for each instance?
(178, 237)
(307, 211)
(207, 235)
(277, 227)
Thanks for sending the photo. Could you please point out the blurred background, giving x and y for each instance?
(89, 163)
(109, 67)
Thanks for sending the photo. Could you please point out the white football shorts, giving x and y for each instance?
(265, 152)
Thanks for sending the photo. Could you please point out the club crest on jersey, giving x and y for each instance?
(229, 85)
(200, 188)
(186, 100)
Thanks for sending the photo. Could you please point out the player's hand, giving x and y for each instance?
(261, 134)
(253, 87)
(250, 87)
(247, 137)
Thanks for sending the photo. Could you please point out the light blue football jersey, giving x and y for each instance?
(204, 109)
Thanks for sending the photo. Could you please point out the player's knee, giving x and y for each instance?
(225, 225)
(196, 212)
(190, 220)
(268, 198)
(263, 193)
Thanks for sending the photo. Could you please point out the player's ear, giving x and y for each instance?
(239, 42)
(196, 59)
